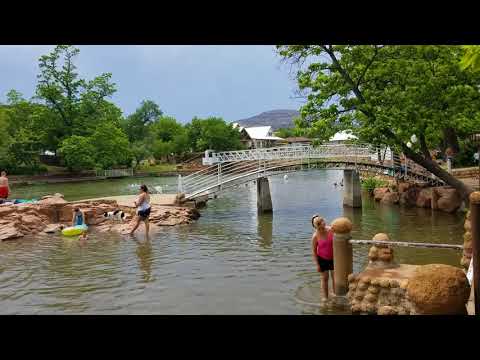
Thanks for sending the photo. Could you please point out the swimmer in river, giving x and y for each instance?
(83, 237)
(322, 251)
(335, 184)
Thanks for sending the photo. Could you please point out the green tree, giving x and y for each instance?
(111, 146)
(70, 97)
(162, 149)
(285, 132)
(212, 133)
(385, 94)
(136, 125)
(5, 159)
(78, 153)
(471, 58)
(165, 128)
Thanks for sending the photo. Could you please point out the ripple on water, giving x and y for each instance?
(229, 261)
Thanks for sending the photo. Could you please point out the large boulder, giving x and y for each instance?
(449, 200)
(404, 186)
(390, 198)
(438, 289)
(409, 196)
(424, 198)
(379, 193)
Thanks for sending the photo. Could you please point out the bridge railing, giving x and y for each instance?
(229, 166)
(114, 173)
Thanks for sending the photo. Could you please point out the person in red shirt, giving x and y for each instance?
(4, 187)
(322, 251)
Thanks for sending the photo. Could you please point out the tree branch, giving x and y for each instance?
(368, 66)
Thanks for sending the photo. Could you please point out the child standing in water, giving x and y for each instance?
(322, 251)
(78, 217)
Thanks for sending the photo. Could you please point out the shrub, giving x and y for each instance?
(371, 183)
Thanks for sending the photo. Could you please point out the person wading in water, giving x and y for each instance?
(143, 209)
(4, 187)
(78, 217)
(322, 251)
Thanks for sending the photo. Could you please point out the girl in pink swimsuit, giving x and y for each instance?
(322, 251)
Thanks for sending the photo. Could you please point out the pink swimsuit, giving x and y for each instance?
(325, 247)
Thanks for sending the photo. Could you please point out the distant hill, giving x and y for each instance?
(275, 118)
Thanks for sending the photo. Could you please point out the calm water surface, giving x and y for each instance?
(231, 261)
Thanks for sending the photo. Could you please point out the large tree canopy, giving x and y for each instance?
(386, 94)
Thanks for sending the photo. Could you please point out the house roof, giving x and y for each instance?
(342, 136)
(261, 133)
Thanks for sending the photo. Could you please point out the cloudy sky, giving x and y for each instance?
(233, 82)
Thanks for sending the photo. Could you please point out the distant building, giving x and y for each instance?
(299, 140)
(259, 137)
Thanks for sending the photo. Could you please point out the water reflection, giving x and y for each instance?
(223, 263)
(265, 230)
(145, 258)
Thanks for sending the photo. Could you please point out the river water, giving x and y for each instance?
(231, 261)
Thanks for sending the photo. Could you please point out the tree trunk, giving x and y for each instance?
(451, 139)
(433, 167)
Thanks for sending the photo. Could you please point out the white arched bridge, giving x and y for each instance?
(226, 170)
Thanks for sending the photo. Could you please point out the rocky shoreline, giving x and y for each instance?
(444, 198)
(53, 213)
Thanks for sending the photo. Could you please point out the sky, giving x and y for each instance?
(229, 81)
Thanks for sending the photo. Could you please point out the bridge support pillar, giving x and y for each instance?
(352, 190)
(264, 199)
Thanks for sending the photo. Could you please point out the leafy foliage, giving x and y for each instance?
(385, 94)
(371, 183)
(212, 133)
(78, 153)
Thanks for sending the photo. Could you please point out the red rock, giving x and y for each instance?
(449, 200)
(424, 199)
(379, 193)
(390, 198)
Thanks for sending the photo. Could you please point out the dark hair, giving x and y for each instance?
(3, 171)
(76, 209)
(144, 188)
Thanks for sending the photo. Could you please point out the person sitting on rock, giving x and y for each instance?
(78, 217)
(322, 251)
(4, 187)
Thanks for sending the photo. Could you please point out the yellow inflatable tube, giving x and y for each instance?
(74, 230)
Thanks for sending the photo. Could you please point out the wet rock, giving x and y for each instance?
(439, 289)
(403, 187)
(409, 196)
(424, 199)
(387, 310)
(449, 200)
(379, 193)
(390, 198)
(53, 228)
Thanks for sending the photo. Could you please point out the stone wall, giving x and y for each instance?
(467, 243)
(444, 198)
(387, 288)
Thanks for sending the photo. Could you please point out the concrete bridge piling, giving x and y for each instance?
(352, 190)
(264, 199)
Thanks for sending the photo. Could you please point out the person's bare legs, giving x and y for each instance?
(137, 223)
(332, 274)
(147, 227)
(325, 284)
